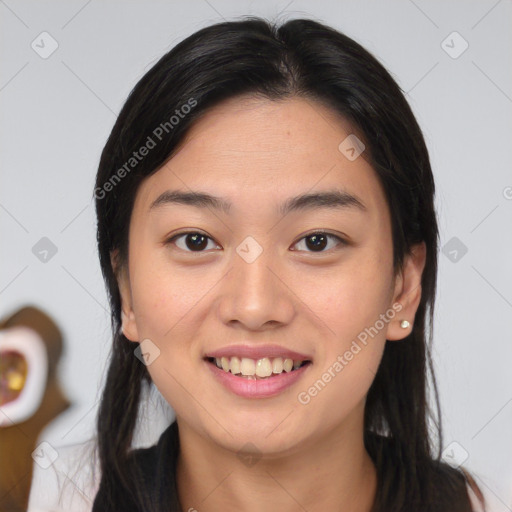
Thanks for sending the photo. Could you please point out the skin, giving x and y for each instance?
(257, 153)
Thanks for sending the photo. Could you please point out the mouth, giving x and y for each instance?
(257, 369)
(13, 376)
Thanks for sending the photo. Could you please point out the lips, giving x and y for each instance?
(257, 352)
(252, 387)
(257, 371)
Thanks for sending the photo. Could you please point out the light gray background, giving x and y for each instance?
(57, 113)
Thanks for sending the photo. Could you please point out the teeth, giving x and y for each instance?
(234, 365)
(253, 369)
(287, 365)
(277, 365)
(263, 367)
(247, 366)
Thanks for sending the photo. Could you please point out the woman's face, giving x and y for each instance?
(255, 275)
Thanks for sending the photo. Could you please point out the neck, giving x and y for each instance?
(333, 472)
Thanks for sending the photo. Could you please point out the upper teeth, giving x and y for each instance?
(260, 367)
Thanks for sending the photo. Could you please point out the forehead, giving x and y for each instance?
(257, 151)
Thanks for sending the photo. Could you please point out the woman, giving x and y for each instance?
(267, 234)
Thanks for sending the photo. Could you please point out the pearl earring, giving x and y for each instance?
(404, 324)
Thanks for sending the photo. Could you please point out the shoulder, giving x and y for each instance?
(475, 494)
(150, 461)
(148, 476)
(70, 482)
(432, 483)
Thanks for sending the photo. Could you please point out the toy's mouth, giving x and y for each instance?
(13, 375)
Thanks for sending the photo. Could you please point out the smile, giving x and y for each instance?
(252, 385)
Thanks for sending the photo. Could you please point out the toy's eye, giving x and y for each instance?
(13, 375)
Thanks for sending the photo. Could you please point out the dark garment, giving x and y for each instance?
(151, 475)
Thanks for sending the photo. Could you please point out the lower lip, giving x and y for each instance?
(262, 388)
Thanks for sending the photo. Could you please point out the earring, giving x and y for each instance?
(404, 324)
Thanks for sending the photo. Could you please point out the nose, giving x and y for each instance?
(256, 294)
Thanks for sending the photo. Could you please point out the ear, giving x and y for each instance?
(407, 292)
(129, 326)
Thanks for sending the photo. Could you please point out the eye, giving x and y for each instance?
(193, 241)
(319, 240)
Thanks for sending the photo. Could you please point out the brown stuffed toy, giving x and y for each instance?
(30, 397)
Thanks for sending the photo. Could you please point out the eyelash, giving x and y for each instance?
(340, 240)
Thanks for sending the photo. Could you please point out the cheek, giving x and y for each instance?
(164, 295)
(350, 297)
(350, 305)
(353, 303)
(167, 308)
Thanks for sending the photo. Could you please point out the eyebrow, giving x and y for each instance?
(332, 199)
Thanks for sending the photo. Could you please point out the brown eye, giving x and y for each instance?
(191, 241)
(317, 242)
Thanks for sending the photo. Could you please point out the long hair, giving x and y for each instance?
(300, 58)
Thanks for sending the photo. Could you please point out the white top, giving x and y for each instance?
(67, 479)
(69, 484)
